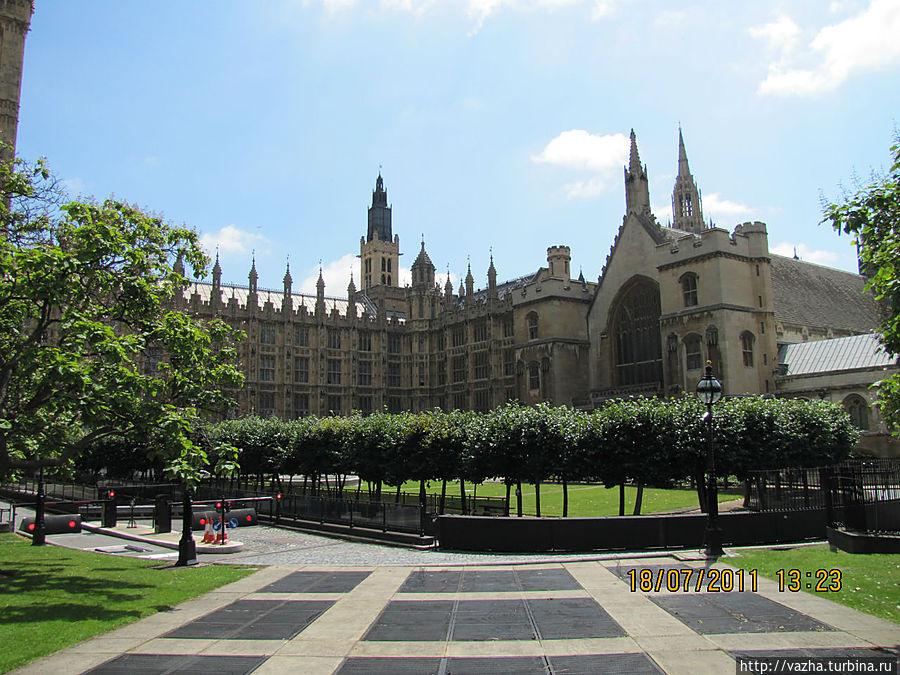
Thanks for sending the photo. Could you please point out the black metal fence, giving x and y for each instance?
(862, 494)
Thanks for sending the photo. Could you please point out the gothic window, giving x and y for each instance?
(482, 366)
(693, 354)
(421, 307)
(747, 348)
(509, 362)
(442, 372)
(267, 368)
(365, 405)
(365, 341)
(534, 376)
(301, 369)
(460, 401)
(267, 335)
(689, 289)
(508, 328)
(301, 405)
(421, 370)
(458, 336)
(368, 265)
(635, 324)
(389, 264)
(687, 208)
(393, 375)
(383, 264)
(421, 343)
(480, 331)
(334, 405)
(333, 374)
(394, 343)
(459, 368)
(266, 403)
(858, 410)
(389, 280)
(365, 373)
(532, 319)
(482, 400)
(382, 278)
(301, 336)
(334, 339)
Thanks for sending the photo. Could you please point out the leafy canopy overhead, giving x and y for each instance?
(87, 348)
(872, 216)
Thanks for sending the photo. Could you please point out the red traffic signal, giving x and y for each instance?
(278, 496)
(219, 505)
(111, 494)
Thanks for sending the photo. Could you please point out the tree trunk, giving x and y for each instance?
(397, 496)
(622, 498)
(537, 498)
(639, 497)
(378, 490)
(462, 495)
(565, 513)
(519, 497)
(508, 491)
(443, 496)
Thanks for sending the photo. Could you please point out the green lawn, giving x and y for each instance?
(869, 583)
(53, 597)
(584, 500)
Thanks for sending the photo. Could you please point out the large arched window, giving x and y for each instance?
(689, 289)
(858, 409)
(532, 325)
(747, 348)
(635, 325)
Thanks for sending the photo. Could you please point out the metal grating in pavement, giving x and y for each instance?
(254, 620)
(165, 664)
(316, 582)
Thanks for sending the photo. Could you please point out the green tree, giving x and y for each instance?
(83, 292)
(872, 217)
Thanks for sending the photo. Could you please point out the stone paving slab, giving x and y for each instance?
(573, 617)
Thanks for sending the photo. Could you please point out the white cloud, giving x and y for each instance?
(336, 275)
(781, 34)
(577, 149)
(715, 206)
(804, 252)
(867, 41)
(231, 239)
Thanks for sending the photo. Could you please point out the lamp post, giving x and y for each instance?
(709, 390)
(187, 547)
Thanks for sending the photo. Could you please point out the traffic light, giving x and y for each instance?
(111, 494)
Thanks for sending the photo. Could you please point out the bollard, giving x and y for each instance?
(162, 515)
(108, 519)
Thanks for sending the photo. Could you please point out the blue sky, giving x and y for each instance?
(499, 125)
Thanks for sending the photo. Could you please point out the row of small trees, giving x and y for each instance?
(643, 441)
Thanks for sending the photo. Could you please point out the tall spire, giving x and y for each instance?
(637, 190)
(470, 282)
(687, 208)
(492, 278)
(634, 160)
(379, 213)
(287, 280)
(253, 276)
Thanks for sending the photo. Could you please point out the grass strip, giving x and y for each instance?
(52, 597)
(585, 501)
(869, 582)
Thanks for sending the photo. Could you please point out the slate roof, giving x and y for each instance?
(813, 295)
(828, 356)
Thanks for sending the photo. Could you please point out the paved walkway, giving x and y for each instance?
(575, 617)
(328, 606)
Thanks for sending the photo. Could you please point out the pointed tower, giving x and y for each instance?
(492, 280)
(15, 17)
(351, 297)
(470, 283)
(637, 190)
(448, 286)
(422, 270)
(215, 297)
(320, 294)
(687, 209)
(286, 304)
(379, 255)
(253, 276)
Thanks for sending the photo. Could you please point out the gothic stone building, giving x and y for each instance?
(668, 299)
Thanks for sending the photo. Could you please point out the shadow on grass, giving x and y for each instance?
(35, 592)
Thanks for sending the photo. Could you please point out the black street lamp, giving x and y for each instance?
(187, 547)
(709, 390)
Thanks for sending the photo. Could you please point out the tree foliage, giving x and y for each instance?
(644, 441)
(83, 291)
(872, 216)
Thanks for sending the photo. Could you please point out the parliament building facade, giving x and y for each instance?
(668, 299)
